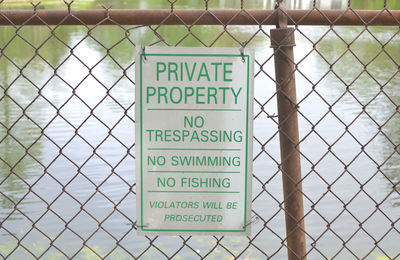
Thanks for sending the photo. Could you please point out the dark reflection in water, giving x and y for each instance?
(20, 148)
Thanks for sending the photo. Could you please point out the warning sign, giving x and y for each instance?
(194, 110)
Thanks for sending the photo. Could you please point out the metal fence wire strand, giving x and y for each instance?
(67, 148)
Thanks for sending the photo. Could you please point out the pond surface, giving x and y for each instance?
(57, 113)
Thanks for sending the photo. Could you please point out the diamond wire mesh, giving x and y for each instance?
(67, 144)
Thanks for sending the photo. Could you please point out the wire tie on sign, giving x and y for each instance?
(254, 220)
(144, 52)
(139, 226)
(242, 53)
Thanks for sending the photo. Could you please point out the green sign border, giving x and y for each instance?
(141, 141)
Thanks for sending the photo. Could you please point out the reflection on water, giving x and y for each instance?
(19, 151)
(372, 94)
(84, 157)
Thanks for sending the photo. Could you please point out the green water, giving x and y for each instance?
(40, 115)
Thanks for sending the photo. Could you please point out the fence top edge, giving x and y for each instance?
(223, 17)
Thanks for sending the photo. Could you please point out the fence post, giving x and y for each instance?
(282, 40)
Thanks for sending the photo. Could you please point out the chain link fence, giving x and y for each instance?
(67, 147)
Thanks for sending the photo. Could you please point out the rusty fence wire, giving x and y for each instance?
(67, 147)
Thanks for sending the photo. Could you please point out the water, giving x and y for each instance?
(101, 183)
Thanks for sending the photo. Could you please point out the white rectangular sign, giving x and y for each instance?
(194, 111)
